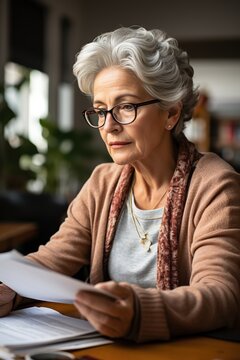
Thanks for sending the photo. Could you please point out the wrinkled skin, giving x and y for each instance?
(6, 299)
(110, 317)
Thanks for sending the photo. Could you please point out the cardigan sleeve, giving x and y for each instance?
(69, 248)
(210, 299)
(80, 238)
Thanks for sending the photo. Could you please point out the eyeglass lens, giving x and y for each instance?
(122, 113)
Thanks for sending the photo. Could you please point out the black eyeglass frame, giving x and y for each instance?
(105, 112)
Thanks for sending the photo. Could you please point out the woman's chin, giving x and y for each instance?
(120, 161)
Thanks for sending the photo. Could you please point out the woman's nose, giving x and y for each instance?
(110, 123)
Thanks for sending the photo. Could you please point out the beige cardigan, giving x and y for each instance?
(208, 296)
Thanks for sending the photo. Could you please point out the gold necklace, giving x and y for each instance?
(142, 234)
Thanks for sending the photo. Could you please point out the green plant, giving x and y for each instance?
(12, 175)
(61, 168)
(68, 158)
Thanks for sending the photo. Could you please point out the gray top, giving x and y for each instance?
(129, 260)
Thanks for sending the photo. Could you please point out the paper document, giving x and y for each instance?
(31, 329)
(34, 281)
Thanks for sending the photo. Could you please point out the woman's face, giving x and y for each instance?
(140, 141)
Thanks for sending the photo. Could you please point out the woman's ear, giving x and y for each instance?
(173, 115)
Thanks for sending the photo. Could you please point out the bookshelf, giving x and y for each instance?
(225, 139)
(217, 132)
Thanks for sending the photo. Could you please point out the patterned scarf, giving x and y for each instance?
(167, 255)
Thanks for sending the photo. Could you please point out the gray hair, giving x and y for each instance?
(152, 56)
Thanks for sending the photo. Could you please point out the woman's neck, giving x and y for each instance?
(151, 181)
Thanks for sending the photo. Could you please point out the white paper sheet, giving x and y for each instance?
(39, 325)
(37, 329)
(36, 282)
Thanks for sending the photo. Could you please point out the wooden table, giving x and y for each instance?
(13, 234)
(188, 348)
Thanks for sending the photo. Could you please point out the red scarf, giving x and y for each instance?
(167, 255)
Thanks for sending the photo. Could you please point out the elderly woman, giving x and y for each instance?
(160, 226)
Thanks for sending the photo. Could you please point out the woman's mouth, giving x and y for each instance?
(118, 144)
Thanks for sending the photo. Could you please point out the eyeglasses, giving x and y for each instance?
(122, 113)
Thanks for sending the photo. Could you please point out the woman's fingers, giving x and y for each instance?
(5, 309)
(103, 322)
(110, 317)
(120, 289)
(6, 299)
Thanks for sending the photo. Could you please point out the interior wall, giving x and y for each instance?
(220, 80)
(185, 19)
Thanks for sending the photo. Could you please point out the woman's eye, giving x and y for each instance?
(100, 113)
(127, 107)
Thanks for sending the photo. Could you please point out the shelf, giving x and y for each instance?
(232, 145)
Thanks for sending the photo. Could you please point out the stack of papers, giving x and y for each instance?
(39, 329)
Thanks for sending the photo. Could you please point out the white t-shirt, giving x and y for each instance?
(129, 260)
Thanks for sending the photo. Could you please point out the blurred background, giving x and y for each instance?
(46, 150)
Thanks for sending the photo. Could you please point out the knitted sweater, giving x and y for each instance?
(208, 296)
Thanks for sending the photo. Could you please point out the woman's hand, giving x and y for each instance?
(6, 299)
(110, 317)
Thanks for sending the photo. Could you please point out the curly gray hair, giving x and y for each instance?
(152, 56)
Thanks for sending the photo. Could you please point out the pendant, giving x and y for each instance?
(146, 242)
